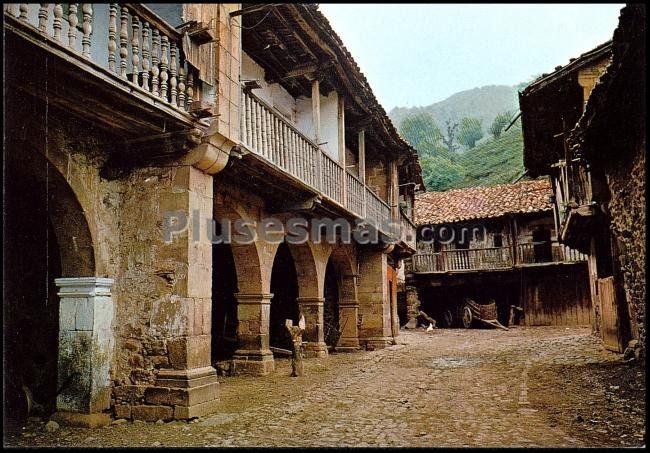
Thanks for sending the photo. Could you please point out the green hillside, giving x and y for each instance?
(495, 161)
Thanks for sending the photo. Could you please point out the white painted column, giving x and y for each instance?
(86, 345)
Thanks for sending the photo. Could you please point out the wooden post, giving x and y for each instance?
(362, 169)
(342, 160)
(297, 368)
(315, 108)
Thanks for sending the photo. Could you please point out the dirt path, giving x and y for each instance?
(445, 388)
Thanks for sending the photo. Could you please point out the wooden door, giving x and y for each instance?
(610, 322)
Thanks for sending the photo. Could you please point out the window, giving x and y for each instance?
(498, 240)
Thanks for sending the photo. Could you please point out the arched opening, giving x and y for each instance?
(46, 237)
(224, 303)
(284, 287)
(331, 306)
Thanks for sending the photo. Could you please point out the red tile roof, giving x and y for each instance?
(457, 205)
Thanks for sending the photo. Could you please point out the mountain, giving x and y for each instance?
(483, 103)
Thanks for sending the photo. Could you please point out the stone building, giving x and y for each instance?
(495, 243)
(157, 159)
(584, 126)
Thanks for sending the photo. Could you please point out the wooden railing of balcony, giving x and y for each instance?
(266, 133)
(493, 258)
(139, 47)
(407, 231)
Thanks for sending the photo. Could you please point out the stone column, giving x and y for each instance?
(85, 350)
(187, 387)
(348, 320)
(313, 308)
(374, 300)
(253, 355)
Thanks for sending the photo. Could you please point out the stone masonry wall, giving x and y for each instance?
(626, 180)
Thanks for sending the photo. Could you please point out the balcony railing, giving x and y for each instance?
(494, 258)
(266, 133)
(407, 231)
(129, 41)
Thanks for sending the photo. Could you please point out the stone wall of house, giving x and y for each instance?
(626, 181)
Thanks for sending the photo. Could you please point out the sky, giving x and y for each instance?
(418, 54)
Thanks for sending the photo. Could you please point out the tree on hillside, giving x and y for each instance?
(450, 137)
(499, 123)
(440, 173)
(421, 131)
(470, 132)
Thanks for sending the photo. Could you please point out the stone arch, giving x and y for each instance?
(34, 172)
(311, 261)
(47, 236)
(344, 260)
(251, 259)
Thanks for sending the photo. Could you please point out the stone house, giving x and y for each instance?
(584, 127)
(157, 159)
(495, 243)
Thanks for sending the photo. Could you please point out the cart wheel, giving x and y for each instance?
(448, 318)
(467, 317)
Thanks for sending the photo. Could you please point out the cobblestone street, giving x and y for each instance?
(448, 387)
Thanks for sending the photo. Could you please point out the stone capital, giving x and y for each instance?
(84, 286)
(254, 299)
(349, 303)
(310, 301)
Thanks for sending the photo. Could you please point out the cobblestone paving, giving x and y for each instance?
(443, 388)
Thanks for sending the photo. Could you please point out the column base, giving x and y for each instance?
(372, 343)
(65, 418)
(179, 394)
(253, 363)
(315, 349)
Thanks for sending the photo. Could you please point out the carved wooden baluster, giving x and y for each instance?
(155, 59)
(172, 72)
(58, 15)
(24, 9)
(135, 50)
(164, 45)
(265, 144)
(87, 26)
(181, 85)
(248, 119)
(242, 117)
(145, 56)
(124, 40)
(42, 17)
(190, 88)
(73, 20)
(269, 133)
(112, 29)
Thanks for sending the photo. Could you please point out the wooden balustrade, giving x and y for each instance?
(355, 194)
(267, 133)
(407, 231)
(377, 210)
(150, 53)
(493, 257)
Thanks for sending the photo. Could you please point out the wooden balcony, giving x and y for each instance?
(269, 136)
(494, 258)
(118, 65)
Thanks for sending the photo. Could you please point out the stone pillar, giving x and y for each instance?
(348, 319)
(187, 388)
(313, 308)
(85, 351)
(374, 300)
(253, 355)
